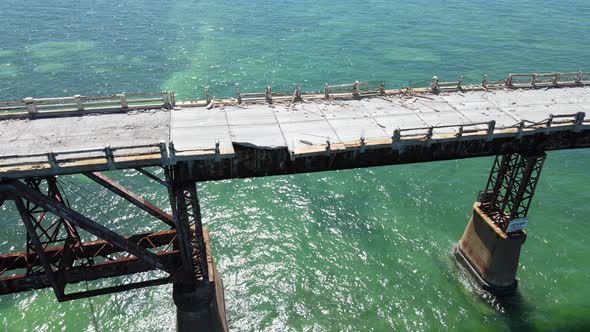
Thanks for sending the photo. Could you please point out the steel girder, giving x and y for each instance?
(56, 256)
(511, 186)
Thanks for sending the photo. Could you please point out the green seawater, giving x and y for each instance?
(356, 250)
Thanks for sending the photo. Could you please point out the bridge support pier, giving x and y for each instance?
(201, 308)
(198, 293)
(490, 246)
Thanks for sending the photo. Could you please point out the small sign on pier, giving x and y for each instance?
(517, 224)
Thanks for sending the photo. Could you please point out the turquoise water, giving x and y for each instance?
(354, 250)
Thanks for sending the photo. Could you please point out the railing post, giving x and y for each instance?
(110, 156)
(207, 97)
(549, 124)
(217, 150)
(397, 136)
(484, 82)
(166, 98)
(430, 133)
(79, 104)
(163, 153)
(520, 131)
(429, 136)
(124, 103)
(268, 94)
(31, 107)
(326, 91)
(579, 121)
(172, 153)
(556, 78)
(509, 81)
(52, 160)
(579, 78)
(434, 83)
(355, 88)
(491, 126)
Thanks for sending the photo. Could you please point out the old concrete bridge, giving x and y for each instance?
(258, 134)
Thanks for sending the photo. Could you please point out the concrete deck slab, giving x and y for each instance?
(436, 105)
(402, 121)
(382, 106)
(266, 136)
(201, 138)
(344, 109)
(197, 116)
(300, 112)
(249, 115)
(349, 130)
(503, 119)
(83, 132)
(308, 133)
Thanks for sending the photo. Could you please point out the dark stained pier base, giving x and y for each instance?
(201, 308)
(490, 246)
(489, 254)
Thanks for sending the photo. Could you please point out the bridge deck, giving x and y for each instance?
(71, 144)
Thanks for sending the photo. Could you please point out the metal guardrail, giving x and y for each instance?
(33, 106)
(366, 89)
(515, 81)
(534, 80)
(356, 89)
(426, 133)
(267, 96)
(108, 153)
(352, 90)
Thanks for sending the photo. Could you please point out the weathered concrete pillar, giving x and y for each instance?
(202, 307)
(490, 254)
(490, 245)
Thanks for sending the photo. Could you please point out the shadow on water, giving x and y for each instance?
(516, 311)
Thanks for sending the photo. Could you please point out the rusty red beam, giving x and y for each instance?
(115, 289)
(131, 197)
(20, 260)
(107, 269)
(86, 223)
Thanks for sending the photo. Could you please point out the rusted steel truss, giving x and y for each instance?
(511, 186)
(56, 256)
(189, 228)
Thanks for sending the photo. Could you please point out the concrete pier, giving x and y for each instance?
(490, 245)
(201, 308)
(490, 254)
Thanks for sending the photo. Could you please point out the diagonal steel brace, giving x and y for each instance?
(88, 224)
